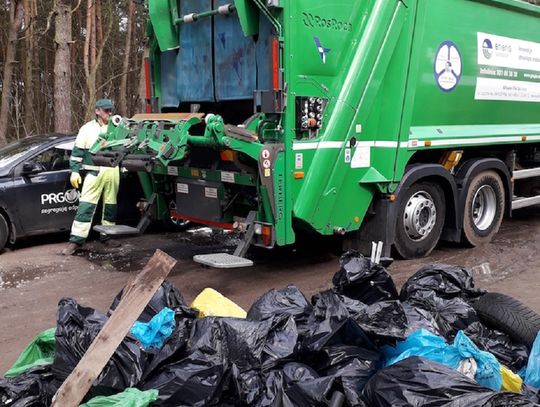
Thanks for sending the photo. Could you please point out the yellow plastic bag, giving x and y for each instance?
(210, 303)
(510, 381)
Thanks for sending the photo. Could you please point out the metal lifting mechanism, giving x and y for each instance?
(192, 17)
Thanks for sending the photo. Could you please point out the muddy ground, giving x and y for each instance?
(34, 277)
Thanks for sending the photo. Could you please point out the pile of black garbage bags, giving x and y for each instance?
(293, 352)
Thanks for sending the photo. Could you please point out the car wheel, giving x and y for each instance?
(420, 220)
(4, 232)
(176, 224)
(484, 208)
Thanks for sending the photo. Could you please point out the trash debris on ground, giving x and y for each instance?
(39, 352)
(152, 334)
(128, 398)
(358, 344)
(210, 303)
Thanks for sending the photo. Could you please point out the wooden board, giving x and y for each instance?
(138, 292)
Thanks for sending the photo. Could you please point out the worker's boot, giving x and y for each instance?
(71, 249)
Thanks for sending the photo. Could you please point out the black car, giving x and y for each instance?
(36, 196)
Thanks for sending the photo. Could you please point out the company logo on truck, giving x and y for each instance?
(448, 66)
(487, 48)
(323, 52)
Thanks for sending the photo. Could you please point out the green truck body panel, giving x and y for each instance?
(392, 79)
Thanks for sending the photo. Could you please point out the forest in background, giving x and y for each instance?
(58, 56)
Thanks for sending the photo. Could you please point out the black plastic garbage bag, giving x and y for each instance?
(277, 305)
(511, 354)
(168, 296)
(257, 389)
(173, 350)
(450, 315)
(384, 322)
(445, 281)
(281, 343)
(509, 400)
(195, 381)
(330, 324)
(419, 318)
(76, 329)
(30, 389)
(351, 366)
(362, 280)
(420, 382)
(304, 386)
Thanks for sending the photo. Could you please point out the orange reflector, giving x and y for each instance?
(427, 143)
(356, 219)
(392, 198)
(299, 175)
(226, 155)
(267, 235)
(523, 138)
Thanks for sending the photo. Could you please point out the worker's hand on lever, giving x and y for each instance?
(75, 179)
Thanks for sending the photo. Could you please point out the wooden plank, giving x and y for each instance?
(139, 291)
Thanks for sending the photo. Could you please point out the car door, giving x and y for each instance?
(46, 201)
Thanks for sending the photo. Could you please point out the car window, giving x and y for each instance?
(12, 152)
(53, 159)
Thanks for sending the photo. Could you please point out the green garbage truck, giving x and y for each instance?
(400, 121)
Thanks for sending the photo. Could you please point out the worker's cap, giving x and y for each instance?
(104, 104)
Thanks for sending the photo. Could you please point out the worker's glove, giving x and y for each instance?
(75, 179)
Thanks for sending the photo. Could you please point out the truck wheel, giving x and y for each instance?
(420, 220)
(508, 315)
(4, 232)
(484, 208)
(175, 224)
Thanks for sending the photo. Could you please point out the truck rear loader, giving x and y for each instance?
(401, 121)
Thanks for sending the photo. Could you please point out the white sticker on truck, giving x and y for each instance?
(361, 157)
(509, 69)
(508, 52)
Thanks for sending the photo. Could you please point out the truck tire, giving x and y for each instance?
(173, 224)
(4, 232)
(508, 315)
(484, 208)
(420, 220)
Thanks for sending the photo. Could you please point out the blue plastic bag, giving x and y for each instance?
(532, 372)
(425, 344)
(152, 334)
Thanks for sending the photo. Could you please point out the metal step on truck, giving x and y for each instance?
(400, 121)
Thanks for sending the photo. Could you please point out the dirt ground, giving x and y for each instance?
(34, 277)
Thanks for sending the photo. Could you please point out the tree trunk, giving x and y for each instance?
(91, 78)
(29, 100)
(88, 38)
(62, 68)
(122, 102)
(15, 23)
(99, 38)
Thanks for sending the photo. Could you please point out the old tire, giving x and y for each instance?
(420, 220)
(508, 315)
(484, 208)
(4, 232)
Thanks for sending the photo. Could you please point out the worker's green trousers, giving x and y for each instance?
(105, 184)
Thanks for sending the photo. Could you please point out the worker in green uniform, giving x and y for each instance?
(99, 182)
